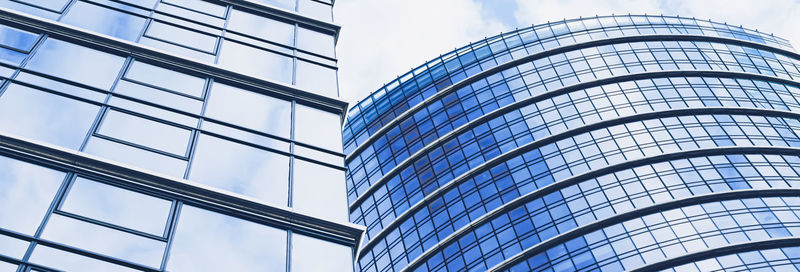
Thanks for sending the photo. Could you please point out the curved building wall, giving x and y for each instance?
(617, 142)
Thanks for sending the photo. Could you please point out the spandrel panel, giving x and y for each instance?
(76, 63)
(45, 117)
(250, 110)
(96, 238)
(241, 169)
(22, 182)
(209, 241)
(117, 206)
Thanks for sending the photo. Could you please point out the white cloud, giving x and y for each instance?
(541, 11)
(382, 39)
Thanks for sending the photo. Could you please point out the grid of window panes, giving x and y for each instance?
(480, 173)
(779, 259)
(539, 77)
(238, 39)
(396, 97)
(68, 219)
(172, 122)
(668, 234)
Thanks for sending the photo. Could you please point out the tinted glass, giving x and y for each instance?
(250, 110)
(16, 38)
(12, 247)
(284, 4)
(45, 117)
(318, 128)
(315, 10)
(104, 20)
(96, 238)
(256, 62)
(35, 186)
(145, 132)
(241, 169)
(319, 190)
(74, 62)
(117, 206)
(314, 255)
(315, 42)
(182, 36)
(166, 78)
(261, 27)
(67, 261)
(136, 157)
(208, 241)
(7, 267)
(316, 78)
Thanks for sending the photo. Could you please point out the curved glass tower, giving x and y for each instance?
(605, 143)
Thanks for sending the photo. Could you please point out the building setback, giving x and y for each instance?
(606, 143)
(171, 135)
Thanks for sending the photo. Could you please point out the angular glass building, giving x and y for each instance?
(594, 144)
(171, 135)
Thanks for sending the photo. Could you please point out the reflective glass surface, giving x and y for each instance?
(311, 255)
(317, 127)
(250, 110)
(25, 183)
(319, 190)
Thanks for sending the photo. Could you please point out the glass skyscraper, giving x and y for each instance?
(594, 144)
(171, 135)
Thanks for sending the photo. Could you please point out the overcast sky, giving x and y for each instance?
(382, 39)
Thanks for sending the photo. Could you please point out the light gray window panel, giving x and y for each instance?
(261, 27)
(318, 128)
(160, 97)
(12, 247)
(316, 79)
(284, 4)
(52, 15)
(45, 117)
(143, 3)
(202, 6)
(209, 241)
(153, 111)
(7, 267)
(315, 10)
(182, 36)
(55, 5)
(67, 261)
(242, 135)
(192, 15)
(104, 20)
(256, 62)
(77, 63)
(314, 255)
(136, 157)
(117, 206)
(250, 110)
(241, 169)
(315, 42)
(145, 132)
(166, 78)
(21, 182)
(16, 38)
(319, 190)
(104, 240)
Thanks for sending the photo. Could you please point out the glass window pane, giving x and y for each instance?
(315, 42)
(104, 20)
(16, 38)
(208, 241)
(33, 185)
(136, 157)
(319, 190)
(316, 78)
(77, 63)
(241, 169)
(166, 78)
(182, 36)
(261, 27)
(316, 10)
(7, 267)
(284, 4)
(117, 206)
(67, 261)
(314, 255)
(54, 5)
(256, 62)
(145, 132)
(12, 247)
(250, 110)
(45, 117)
(203, 6)
(99, 239)
(318, 128)
(158, 96)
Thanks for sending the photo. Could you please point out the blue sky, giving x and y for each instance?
(382, 39)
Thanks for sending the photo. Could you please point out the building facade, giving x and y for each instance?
(171, 135)
(605, 144)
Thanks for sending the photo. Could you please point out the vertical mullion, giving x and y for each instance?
(62, 190)
(170, 232)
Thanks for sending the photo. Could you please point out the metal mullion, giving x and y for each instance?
(97, 3)
(93, 255)
(177, 44)
(221, 38)
(18, 69)
(150, 149)
(169, 232)
(104, 106)
(195, 136)
(192, 10)
(109, 225)
(60, 193)
(145, 116)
